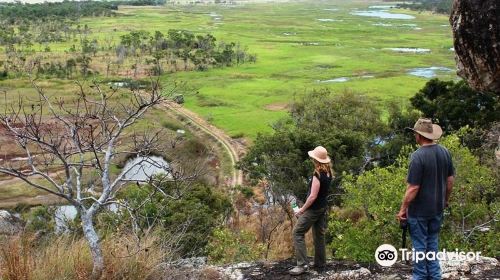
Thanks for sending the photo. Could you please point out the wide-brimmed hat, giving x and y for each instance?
(427, 129)
(320, 154)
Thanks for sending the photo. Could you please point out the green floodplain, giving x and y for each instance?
(300, 46)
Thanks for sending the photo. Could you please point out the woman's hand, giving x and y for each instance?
(312, 196)
(300, 212)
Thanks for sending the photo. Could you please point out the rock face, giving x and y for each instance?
(472, 268)
(9, 224)
(476, 30)
(196, 269)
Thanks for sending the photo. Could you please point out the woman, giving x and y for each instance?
(313, 213)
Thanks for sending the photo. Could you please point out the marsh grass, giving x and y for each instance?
(294, 50)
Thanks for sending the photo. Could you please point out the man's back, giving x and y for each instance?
(430, 167)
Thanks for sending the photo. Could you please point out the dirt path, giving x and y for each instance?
(233, 149)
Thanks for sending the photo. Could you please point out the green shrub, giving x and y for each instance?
(474, 201)
(377, 194)
(4, 75)
(355, 240)
(39, 218)
(170, 125)
(194, 148)
(205, 101)
(194, 211)
(237, 135)
(247, 192)
(227, 246)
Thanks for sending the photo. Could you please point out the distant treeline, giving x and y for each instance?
(179, 46)
(16, 12)
(26, 34)
(138, 53)
(141, 2)
(437, 6)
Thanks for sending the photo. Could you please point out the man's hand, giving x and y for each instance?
(401, 215)
(410, 194)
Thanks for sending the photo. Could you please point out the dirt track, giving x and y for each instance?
(230, 146)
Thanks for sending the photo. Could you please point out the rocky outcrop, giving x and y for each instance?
(476, 31)
(196, 268)
(481, 268)
(9, 224)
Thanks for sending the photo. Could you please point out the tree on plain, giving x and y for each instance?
(65, 143)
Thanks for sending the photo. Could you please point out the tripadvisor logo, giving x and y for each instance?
(386, 255)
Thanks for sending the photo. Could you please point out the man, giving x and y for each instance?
(430, 181)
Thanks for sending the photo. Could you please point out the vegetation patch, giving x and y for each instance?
(277, 106)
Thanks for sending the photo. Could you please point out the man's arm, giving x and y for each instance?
(449, 188)
(410, 194)
(312, 196)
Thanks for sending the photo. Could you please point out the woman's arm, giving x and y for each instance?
(312, 196)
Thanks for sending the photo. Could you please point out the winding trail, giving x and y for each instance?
(233, 150)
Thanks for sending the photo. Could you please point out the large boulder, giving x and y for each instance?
(9, 224)
(454, 269)
(476, 32)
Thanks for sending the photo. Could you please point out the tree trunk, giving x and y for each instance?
(476, 30)
(93, 241)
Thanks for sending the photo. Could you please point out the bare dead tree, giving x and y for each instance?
(109, 61)
(64, 142)
(270, 220)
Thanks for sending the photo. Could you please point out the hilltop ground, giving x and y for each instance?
(487, 268)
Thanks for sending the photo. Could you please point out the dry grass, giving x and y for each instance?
(66, 258)
(281, 240)
(16, 260)
(262, 225)
(269, 225)
(352, 214)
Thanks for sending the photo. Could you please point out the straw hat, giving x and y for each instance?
(320, 154)
(426, 128)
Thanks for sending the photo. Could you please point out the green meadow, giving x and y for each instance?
(300, 46)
